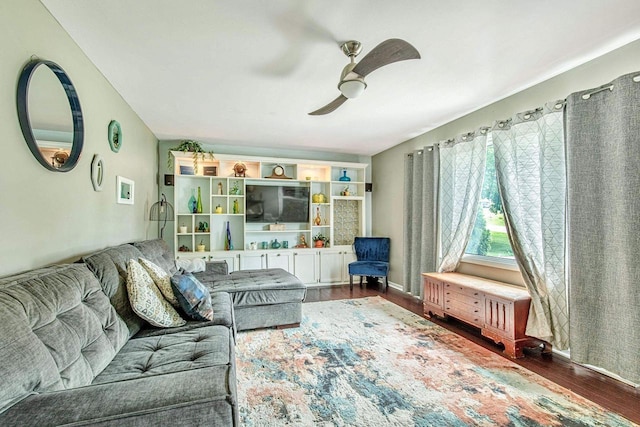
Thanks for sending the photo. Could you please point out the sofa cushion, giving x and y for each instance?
(223, 314)
(193, 296)
(162, 279)
(57, 331)
(158, 252)
(181, 351)
(258, 287)
(147, 300)
(110, 267)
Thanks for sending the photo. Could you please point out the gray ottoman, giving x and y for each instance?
(261, 298)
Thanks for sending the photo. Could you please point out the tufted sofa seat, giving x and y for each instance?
(194, 349)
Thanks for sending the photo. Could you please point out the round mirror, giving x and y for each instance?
(50, 115)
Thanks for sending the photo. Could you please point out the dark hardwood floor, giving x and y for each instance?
(611, 394)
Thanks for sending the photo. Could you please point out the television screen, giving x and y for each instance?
(277, 203)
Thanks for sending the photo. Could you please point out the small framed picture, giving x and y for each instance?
(186, 170)
(125, 190)
(210, 171)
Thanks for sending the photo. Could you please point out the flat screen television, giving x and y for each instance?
(277, 203)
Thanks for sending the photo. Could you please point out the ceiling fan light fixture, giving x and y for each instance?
(352, 88)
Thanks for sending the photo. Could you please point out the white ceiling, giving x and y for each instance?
(248, 72)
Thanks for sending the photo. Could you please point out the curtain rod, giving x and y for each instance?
(528, 114)
(608, 86)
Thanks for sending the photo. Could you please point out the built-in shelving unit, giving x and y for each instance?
(335, 210)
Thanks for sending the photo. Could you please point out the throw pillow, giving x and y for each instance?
(147, 300)
(162, 280)
(193, 296)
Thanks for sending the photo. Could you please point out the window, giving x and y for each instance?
(489, 236)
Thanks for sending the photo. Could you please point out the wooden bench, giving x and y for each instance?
(500, 310)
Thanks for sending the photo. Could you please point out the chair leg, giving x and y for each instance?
(351, 282)
(386, 284)
(361, 282)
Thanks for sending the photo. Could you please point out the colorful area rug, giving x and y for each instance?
(369, 362)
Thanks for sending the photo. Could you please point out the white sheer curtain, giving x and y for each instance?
(462, 163)
(530, 168)
(420, 217)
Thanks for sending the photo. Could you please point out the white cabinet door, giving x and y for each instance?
(334, 265)
(349, 257)
(280, 260)
(305, 266)
(252, 261)
(331, 266)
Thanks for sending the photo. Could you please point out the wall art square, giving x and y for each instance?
(125, 190)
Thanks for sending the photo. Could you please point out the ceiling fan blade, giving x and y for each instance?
(387, 52)
(330, 106)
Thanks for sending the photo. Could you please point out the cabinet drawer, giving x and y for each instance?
(475, 319)
(473, 308)
(462, 298)
(449, 287)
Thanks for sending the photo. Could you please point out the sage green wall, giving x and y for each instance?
(49, 217)
(388, 179)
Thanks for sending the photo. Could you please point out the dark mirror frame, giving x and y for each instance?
(76, 114)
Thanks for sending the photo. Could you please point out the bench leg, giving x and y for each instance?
(360, 282)
(351, 282)
(386, 284)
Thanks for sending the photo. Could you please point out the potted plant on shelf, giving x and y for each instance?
(320, 240)
(190, 146)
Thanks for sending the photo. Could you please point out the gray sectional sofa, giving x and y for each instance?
(73, 352)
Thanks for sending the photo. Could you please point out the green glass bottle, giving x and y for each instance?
(199, 202)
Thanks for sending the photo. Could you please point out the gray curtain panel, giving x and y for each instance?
(530, 168)
(462, 164)
(420, 219)
(603, 179)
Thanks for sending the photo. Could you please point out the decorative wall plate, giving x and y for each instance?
(115, 136)
(97, 172)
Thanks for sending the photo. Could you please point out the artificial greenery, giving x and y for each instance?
(190, 146)
(322, 237)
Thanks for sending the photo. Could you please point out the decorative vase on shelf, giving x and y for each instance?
(275, 244)
(192, 202)
(228, 246)
(344, 176)
(319, 244)
(199, 202)
(236, 207)
(317, 220)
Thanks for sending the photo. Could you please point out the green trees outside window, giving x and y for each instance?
(489, 235)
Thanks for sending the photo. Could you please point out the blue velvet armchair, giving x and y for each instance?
(372, 255)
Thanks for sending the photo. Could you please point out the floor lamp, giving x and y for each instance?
(161, 211)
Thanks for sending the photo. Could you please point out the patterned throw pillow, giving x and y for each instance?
(147, 300)
(193, 296)
(162, 280)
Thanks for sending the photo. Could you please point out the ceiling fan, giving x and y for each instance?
(352, 82)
